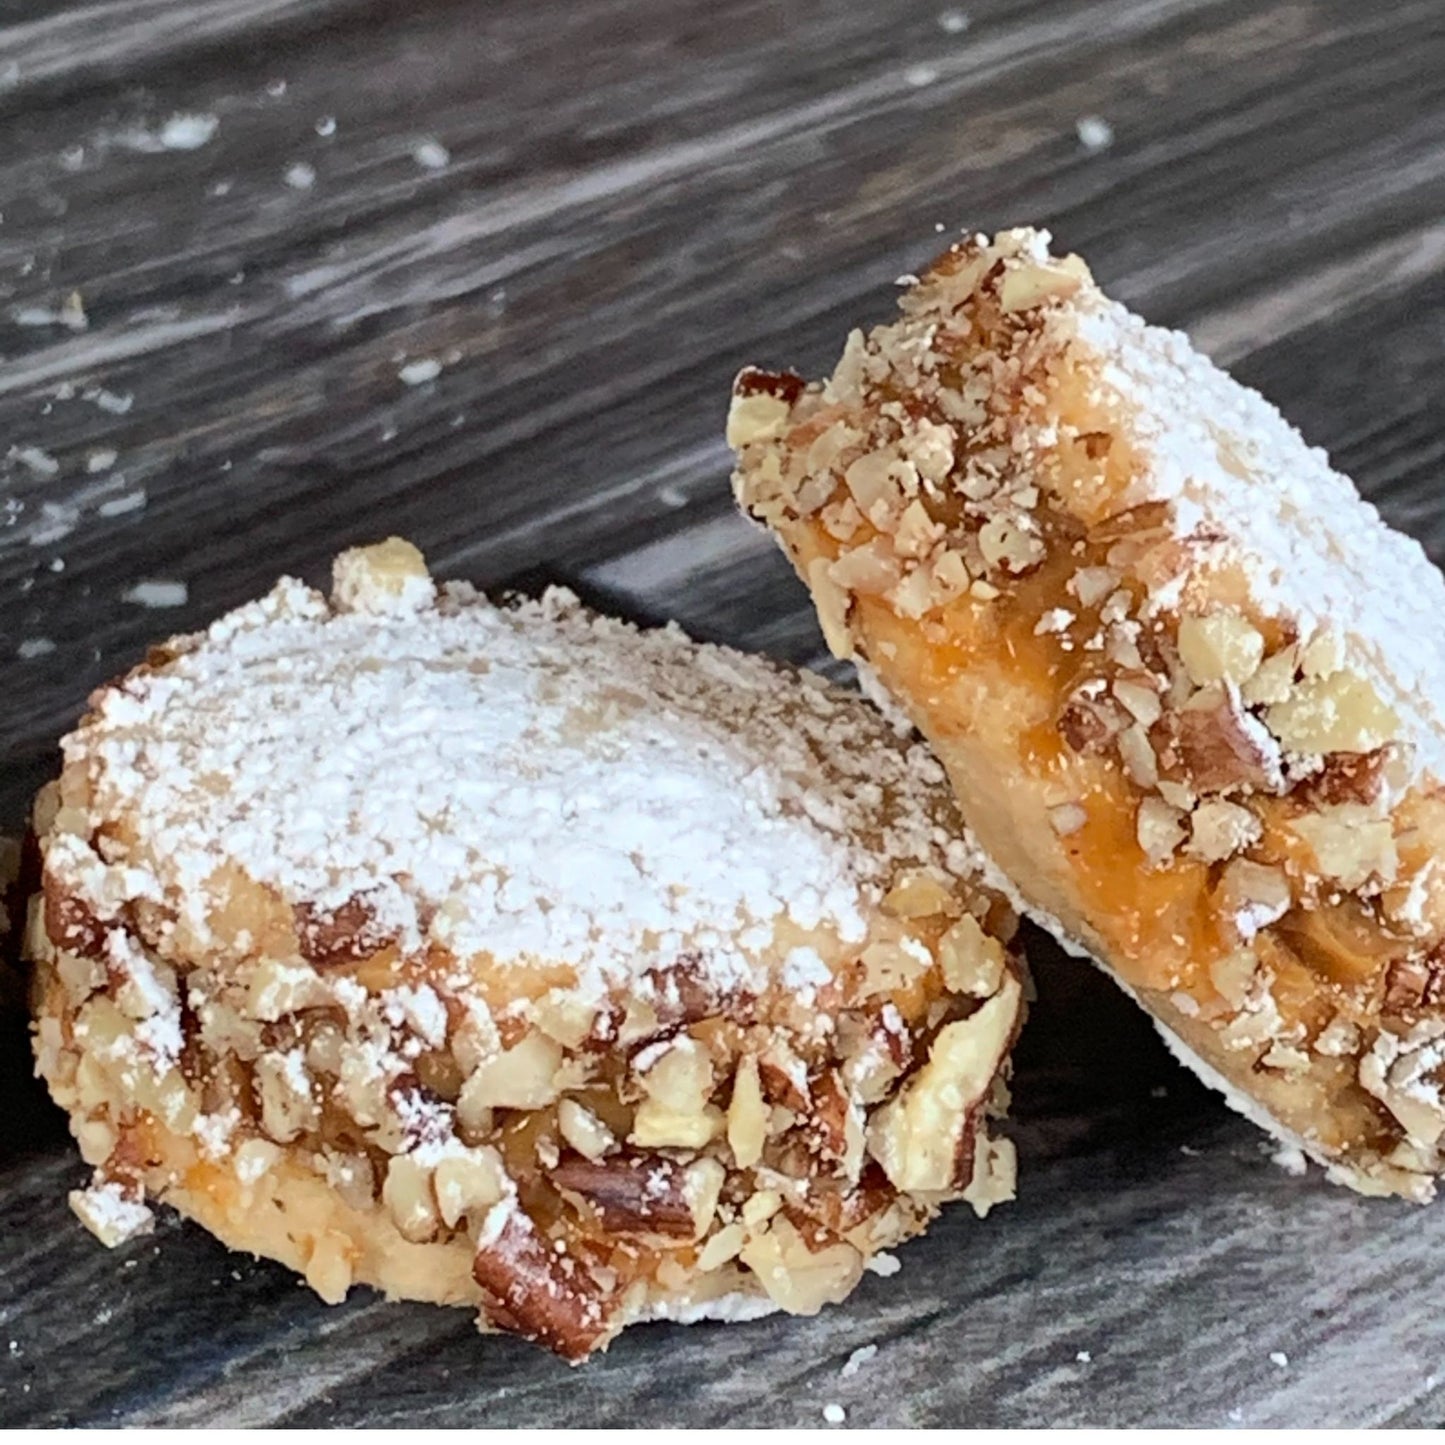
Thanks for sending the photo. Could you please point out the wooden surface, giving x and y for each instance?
(637, 196)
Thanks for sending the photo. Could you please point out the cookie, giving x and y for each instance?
(1189, 688)
(515, 958)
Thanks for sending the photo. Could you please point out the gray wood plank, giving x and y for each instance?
(637, 197)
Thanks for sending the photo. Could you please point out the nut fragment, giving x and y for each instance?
(1222, 747)
(635, 1194)
(1066, 819)
(467, 1180)
(972, 960)
(1219, 830)
(723, 1246)
(1221, 647)
(1137, 756)
(679, 1075)
(1340, 712)
(1414, 983)
(534, 1290)
(797, 1278)
(407, 1194)
(522, 1077)
(329, 1265)
(747, 1115)
(1159, 828)
(389, 577)
(655, 1126)
(918, 895)
(111, 1212)
(832, 604)
(919, 1137)
(283, 1089)
(1400, 1071)
(1350, 844)
(754, 417)
(1031, 283)
(888, 967)
(1252, 896)
(583, 1130)
(1004, 543)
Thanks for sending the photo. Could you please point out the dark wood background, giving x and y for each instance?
(637, 197)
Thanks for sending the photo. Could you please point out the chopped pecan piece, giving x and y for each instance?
(631, 1194)
(1087, 723)
(344, 936)
(70, 924)
(837, 1123)
(1414, 983)
(1220, 746)
(686, 994)
(785, 1077)
(1346, 778)
(534, 1291)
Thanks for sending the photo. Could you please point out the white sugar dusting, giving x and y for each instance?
(1291, 1159)
(537, 783)
(181, 132)
(35, 459)
(119, 506)
(1094, 132)
(300, 175)
(157, 594)
(424, 369)
(33, 647)
(56, 520)
(1314, 551)
(431, 155)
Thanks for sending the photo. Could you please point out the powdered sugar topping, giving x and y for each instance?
(537, 784)
(1312, 548)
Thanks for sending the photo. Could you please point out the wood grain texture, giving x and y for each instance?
(639, 196)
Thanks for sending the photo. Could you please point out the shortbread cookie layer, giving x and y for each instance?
(1187, 684)
(514, 957)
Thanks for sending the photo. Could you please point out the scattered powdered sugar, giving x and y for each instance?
(157, 594)
(431, 155)
(56, 520)
(32, 647)
(35, 459)
(1094, 132)
(300, 175)
(109, 1214)
(426, 368)
(857, 1360)
(1279, 1359)
(536, 783)
(127, 502)
(116, 403)
(1291, 1159)
(1313, 550)
(834, 1414)
(180, 133)
(69, 314)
